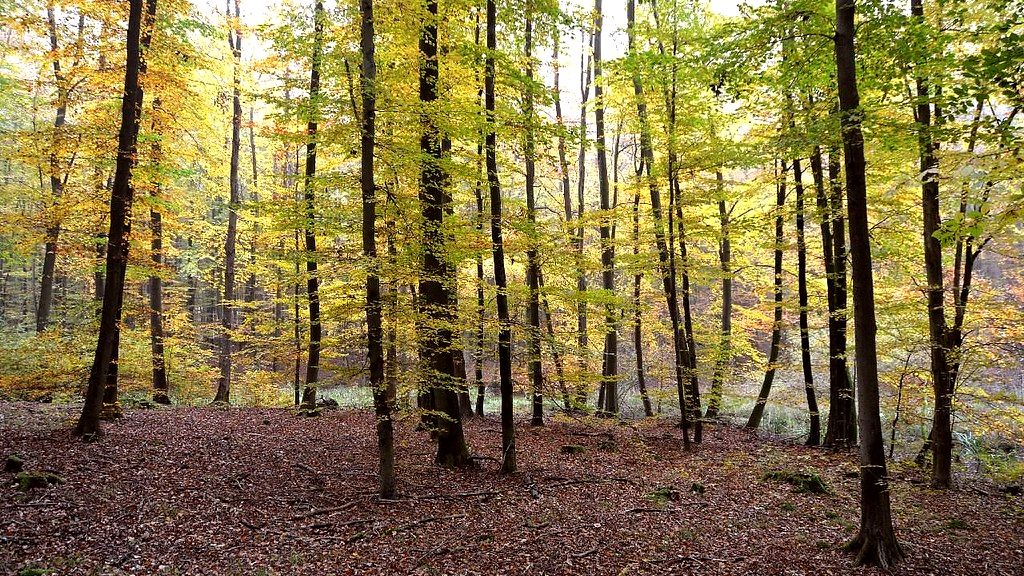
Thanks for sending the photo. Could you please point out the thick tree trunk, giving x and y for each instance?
(876, 543)
(814, 434)
(120, 219)
(374, 331)
(231, 239)
(773, 353)
(435, 297)
(508, 432)
(725, 336)
(309, 390)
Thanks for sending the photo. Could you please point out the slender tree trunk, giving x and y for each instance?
(666, 259)
(556, 356)
(532, 261)
(56, 182)
(942, 425)
(725, 337)
(842, 423)
(156, 287)
(773, 354)
(120, 217)
(814, 434)
(435, 296)
(876, 543)
(563, 173)
(250, 284)
(609, 375)
(309, 390)
(582, 340)
(508, 432)
(374, 331)
(638, 343)
(231, 239)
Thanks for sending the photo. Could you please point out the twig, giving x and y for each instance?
(585, 554)
(640, 510)
(35, 504)
(322, 511)
(306, 467)
(484, 494)
(421, 521)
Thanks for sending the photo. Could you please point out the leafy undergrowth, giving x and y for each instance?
(262, 491)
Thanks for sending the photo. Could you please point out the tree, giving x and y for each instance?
(374, 332)
(121, 197)
(435, 298)
(234, 201)
(609, 372)
(533, 264)
(773, 352)
(875, 543)
(508, 431)
(309, 196)
(814, 434)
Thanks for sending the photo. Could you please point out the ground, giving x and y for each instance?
(263, 491)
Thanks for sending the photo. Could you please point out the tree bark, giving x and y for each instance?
(842, 422)
(814, 433)
(582, 340)
(374, 330)
(876, 543)
(609, 373)
(508, 433)
(121, 198)
(773, 353)
(435, 297)
(156, 287)
(725, 335)
(532, 260)
(666, 260)
(231, 238)
(52, 234)
(942, 385)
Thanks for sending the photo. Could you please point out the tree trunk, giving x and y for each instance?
(876, 543)
(374, 331)
(638, 344)
(532, 263)
(842, 424)
(725, 337)
(120, 222)
(56, 183)
(814, 434)
(942, 385)
(231, 239)
(309, 390)
(508, 432)
(582, 341)
(666, 259)
(609, 373)
(156, 288)
(435, 296)
(773, 353)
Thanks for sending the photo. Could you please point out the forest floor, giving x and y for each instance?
(263, 491)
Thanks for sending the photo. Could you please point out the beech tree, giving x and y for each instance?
(875, 543)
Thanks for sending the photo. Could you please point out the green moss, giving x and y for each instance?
(14, 463)
(803, 482)
(572, 449)
(29, 480)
